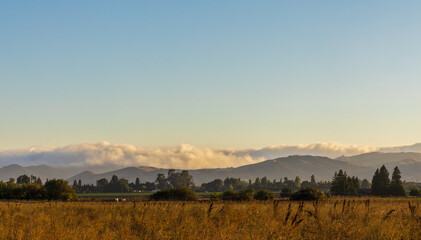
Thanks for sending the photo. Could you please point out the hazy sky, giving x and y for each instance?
(220, 74)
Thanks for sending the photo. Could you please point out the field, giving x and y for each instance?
(142, 196)
(125, 194)
(337, 218)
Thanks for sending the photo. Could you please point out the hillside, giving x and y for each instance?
(362, 165)
(376, 159)
(292, 166)
(42, 171)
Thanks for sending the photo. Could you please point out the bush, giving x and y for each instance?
(230, 195)
(286, 192)
(263, 195)
(307, 194)
(215, 196)
(246, 195)
(415, 192)
(175, 194)
(243, 195)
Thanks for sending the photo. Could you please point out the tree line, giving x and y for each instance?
(381, 184)
(31, 188)
(341, 184)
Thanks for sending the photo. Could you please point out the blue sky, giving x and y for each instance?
(220, 74)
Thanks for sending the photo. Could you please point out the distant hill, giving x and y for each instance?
(323, 168)
(292, 166)
(376, 159)
(41, 171)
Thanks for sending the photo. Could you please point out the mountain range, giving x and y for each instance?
(362, 165)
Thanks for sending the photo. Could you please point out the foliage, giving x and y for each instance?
(297, 182)
(216, 185)
(396, 186)
(58, 189)
(307, 194)
(286, 192)
(175, 194)
(243, 195)
(215, 196)
(263, 195)
(365, 184)
(237, 184)
(27, 191)
(23, 179)
(246, 195)
(313, 179)
(116, 185)
(344, 185)
(415, 192)
(174, 179)
(229, 195)
(380, 183)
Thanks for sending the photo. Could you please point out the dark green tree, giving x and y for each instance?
(257, 184)
(124, 185)
(161, 182)
(186, 180)
(263, 195)
(415, 192)
(23, 179)
(297, 182)
(286, 192)
(365, 184)
(216, 185)
(307, 194)
(313, 179)
(396, 186)
(117, 185)
(339, 183)
(39, 181)
(246, 194)
(101, 183)
(175, 194)
(58, 189)
(380, 183)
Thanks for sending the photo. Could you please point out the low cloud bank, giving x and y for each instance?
(185, 156)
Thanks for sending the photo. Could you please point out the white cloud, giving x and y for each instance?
(185, 156)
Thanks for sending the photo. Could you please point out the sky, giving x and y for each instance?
(214, 74)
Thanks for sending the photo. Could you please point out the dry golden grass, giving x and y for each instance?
(332, 219)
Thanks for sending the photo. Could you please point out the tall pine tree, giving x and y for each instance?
(380, 183)
(396, 187)
(339, 183)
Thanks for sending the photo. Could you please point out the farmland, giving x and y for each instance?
(335, 218)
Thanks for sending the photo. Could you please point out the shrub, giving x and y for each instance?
(243, 195)
(263, 195)
(286, 192)
(307, 194)
(415, 192)
(246, 195)
(215, 196)
(230, 195)
(175, 194)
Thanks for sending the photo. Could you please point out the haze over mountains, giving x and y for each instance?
(90, 162)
